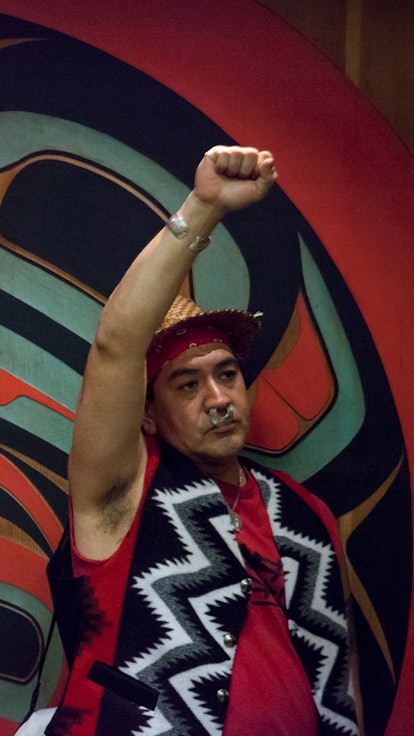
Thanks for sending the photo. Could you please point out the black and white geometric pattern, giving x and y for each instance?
(185, 594)
(187, 601)
(315, 608)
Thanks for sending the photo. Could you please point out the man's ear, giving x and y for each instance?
(148, 422)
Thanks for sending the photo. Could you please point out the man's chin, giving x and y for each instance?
(224, 444)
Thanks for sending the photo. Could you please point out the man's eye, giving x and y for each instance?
(188, 386)
(228, 375)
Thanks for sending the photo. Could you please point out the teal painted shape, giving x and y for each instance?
(47, 374)
(51, 296)
(39, 369)
(24, 133)
(40, 421)
(220, 278)
(14, 698)
(343, 421)
(214, 283)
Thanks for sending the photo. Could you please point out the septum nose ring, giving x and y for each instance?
(221, 417)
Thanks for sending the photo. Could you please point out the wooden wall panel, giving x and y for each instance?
(322, 23)
(387, 62)
(371, 42)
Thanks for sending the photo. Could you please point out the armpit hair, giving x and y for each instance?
(115, 506)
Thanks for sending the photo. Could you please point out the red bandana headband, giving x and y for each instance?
(179, 339)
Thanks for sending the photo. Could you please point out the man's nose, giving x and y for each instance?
(216, 395)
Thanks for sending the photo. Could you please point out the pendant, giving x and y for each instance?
(235, 520)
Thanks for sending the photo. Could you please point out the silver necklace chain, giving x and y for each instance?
(235, 520)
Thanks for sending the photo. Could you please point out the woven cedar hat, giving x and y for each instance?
(240, 327)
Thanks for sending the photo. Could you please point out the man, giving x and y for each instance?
(170, 595)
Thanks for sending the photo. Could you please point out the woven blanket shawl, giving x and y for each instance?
(185, 594)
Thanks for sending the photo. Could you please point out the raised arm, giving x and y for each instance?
(107, 459)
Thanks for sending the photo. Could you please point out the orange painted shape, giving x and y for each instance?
(23, 568)
(301, 386)
(303, 380)
(272, 425)
(12, 388)
(20, 488)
